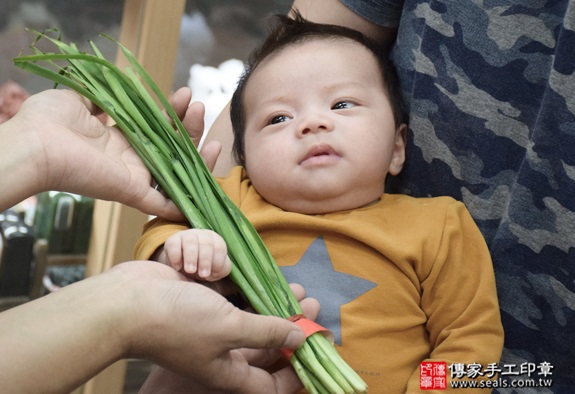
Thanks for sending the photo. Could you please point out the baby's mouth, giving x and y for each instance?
(321, 154)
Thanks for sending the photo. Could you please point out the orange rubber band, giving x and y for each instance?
(309, 328)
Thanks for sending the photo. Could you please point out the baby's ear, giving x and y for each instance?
(398, 157)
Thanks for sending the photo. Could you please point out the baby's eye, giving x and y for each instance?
(343, 105)
(278, 119)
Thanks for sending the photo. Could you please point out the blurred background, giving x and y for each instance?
(212, 30)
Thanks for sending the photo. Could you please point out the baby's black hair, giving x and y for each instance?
(287, 31)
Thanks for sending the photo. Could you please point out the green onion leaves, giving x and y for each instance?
(170, 155)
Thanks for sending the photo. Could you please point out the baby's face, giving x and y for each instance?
(320, 134)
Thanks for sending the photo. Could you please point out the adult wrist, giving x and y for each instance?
(20, 175)
(71, 334)
(138, 322)
(128, 315)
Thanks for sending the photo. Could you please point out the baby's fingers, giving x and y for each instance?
(214, 263)
(173, 250)
(221, 268)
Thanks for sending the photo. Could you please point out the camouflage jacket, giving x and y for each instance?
(490, 91)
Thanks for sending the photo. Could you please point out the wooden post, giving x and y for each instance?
(150, 29)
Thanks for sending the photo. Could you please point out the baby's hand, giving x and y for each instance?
(203, 254)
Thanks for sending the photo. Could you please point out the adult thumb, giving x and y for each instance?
(266, 332)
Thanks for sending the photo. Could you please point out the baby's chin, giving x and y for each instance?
(320, 206)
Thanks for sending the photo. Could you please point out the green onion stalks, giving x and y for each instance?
(170, 155)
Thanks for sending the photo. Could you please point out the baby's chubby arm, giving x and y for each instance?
(200, 254)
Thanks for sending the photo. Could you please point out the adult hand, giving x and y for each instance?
(283, 380)
(138, 309)
(57, 142)
(190, 115)
(164, 381)
(193, 331)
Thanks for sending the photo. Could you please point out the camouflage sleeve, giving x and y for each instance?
(490, 90)
(384, 13)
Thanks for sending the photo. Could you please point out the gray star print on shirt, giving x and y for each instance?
(315, 272)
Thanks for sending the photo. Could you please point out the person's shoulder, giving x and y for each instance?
(434, 209)
(236, 185)
(426, 202)
(236, 176)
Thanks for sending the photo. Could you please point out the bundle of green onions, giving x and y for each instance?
(174, 162)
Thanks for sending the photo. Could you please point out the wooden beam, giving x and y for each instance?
(151, 30)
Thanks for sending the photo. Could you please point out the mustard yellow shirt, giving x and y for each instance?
(401, 281)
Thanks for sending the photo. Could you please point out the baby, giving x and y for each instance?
(318, 125)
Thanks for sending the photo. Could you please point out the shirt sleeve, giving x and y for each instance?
(385, 13)
(156, 232)
(459, 297)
